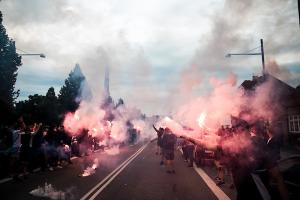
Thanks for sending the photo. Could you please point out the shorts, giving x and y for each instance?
(162, 151)
(159, 142)
(169, 155)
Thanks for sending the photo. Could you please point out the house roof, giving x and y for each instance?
(257, 80)
(286, 94)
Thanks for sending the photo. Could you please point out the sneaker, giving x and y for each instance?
(161, 163)
(59, 167)
(51, 169)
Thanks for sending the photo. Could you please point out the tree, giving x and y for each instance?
(9, 63)
(50, 108)
(70, 94)
(32, 109)
(39, 108)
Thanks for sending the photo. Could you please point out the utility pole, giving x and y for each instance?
(262, 56)
(106, 82)
(299, 11)
(262, 53)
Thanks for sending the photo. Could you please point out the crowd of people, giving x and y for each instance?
(24, 148)
(27, 147)
(258, 158)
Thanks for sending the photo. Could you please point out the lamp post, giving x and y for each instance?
(33, 54)
(253, 54)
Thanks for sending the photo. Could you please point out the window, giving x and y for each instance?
(294, 123)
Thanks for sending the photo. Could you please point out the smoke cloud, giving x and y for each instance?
(202, 117)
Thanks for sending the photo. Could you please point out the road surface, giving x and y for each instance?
(133, 173)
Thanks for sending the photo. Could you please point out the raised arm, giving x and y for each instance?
(155, 128)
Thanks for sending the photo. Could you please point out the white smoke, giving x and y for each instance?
(48, 191)
(90, 170)
(114, 150)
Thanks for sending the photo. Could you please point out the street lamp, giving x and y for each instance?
(253, 54)
(33, 54)
(24, 53)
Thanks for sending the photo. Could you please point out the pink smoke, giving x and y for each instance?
(203, 116)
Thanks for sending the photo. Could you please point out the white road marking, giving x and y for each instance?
(211, 184)
(5, 180)
(116, 174)
(112, 173)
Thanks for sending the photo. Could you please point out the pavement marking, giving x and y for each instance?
(116, 174)
(261, 187)
(120, 167)
(5, 180)
(211, 184)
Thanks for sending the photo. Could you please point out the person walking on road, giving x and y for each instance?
(168, 142)
(159, 151)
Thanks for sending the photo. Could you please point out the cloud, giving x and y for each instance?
(28, 12)
(273, 68)
(170, 48)
(238, 27)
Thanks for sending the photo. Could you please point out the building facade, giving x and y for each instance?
(284, 100)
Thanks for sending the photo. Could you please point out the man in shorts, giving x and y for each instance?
(168, 142)
(160, 133)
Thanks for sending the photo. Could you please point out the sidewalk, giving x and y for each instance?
(288, 150)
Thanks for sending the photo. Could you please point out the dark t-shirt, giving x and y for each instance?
(159, 138)
(274, 145)
(169, 141)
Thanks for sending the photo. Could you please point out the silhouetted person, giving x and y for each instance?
(159, 150)
(250, 160)
(168, 143)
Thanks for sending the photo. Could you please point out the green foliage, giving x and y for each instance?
(50, 109)
(70, 94)
(39, 108)
(9, 63)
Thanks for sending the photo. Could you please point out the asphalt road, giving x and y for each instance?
(66, 179)
(145, 179)
(132, 174)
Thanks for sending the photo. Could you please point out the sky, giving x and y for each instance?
(160, 53)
